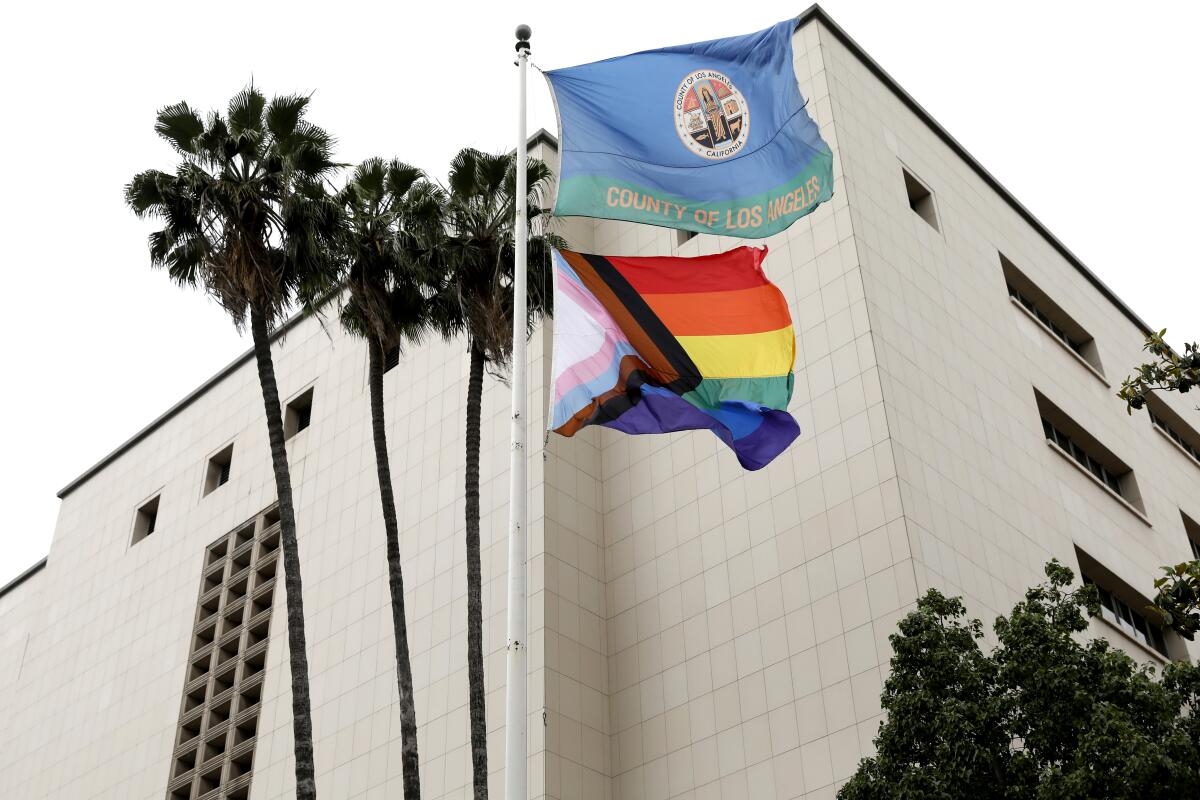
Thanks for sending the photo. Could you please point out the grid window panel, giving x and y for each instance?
(1132, 623)
(1052, 317)
(1179, 439)
(1054, 327)
(223, 681)
(1087, 461)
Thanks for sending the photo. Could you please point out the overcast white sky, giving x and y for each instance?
(1087, 112)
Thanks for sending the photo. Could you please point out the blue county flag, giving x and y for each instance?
(710, 137)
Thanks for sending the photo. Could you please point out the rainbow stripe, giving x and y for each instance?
(653, 345)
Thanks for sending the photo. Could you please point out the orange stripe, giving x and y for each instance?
(755, 310)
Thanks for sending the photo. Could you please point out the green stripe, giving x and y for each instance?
(587, 195)
(769, 392)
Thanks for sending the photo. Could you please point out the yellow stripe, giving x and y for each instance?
(743, 355)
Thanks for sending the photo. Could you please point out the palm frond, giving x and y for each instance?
(401, 177)
(143, 193)
(245, 216)
(463, 171)
(246, 111)
(180, 126)
(369, 177)
(475, 291)
(384, 250)
(284, 114)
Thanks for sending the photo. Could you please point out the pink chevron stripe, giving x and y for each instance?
(585, 300)
(586, 370)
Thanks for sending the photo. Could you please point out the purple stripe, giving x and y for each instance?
(664, 413)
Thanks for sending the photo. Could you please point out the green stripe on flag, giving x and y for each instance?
(770, 392)
(752, 217)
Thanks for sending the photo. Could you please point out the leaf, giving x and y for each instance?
(246, 111)
(180, 126)
(284, 114)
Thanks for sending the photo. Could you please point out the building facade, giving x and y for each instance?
(696, 631)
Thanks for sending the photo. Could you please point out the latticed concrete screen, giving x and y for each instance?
(223, 684)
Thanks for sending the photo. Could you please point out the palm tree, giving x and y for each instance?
(475, 300)
(245, 218)
(390, 215)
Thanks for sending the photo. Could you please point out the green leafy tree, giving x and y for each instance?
(245, 218)
(1178, 590)
(1178, 598)
(390, 218)
(474, 299)
(1168, 372)
(1042, 715)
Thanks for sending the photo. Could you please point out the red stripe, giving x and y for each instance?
(740, 268)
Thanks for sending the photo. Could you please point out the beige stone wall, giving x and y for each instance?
(986, 501)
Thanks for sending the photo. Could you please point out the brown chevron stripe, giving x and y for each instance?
(612, 403)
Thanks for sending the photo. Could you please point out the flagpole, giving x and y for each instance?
(516, 744)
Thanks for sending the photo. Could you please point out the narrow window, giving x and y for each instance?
(145, 520)
(1172, 426)
(1121, 606)
(920, 199)
(217, 473)
(1080, 447)
(391, 358)
(1052, 318)
(682, 237)
(1192, 529)
(298, 414)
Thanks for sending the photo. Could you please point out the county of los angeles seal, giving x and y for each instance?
(711, 116)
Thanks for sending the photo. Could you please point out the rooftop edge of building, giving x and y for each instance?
(24, 576)
(813, 13)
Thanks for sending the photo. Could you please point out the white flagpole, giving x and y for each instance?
(516, 743)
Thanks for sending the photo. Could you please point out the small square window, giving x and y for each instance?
(217, 473)
(145, 520)
(391, 358)
(682, 237)
(298, 414)
(920, 199)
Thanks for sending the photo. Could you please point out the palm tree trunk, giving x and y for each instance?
(478, 695)
(306, 785)
(404, 684)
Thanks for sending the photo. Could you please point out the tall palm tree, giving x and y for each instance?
(245, 218)
(391, 217)
(475, 300)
